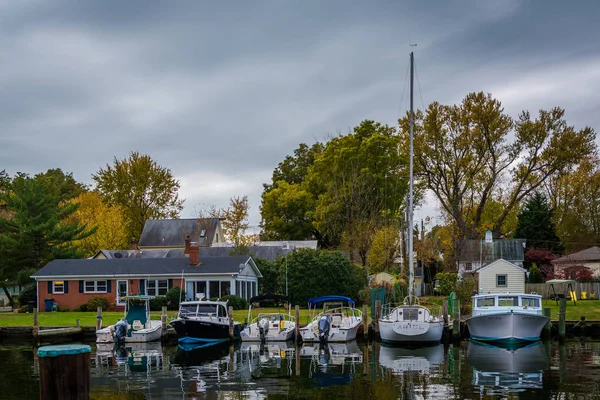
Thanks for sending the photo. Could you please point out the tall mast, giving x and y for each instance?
(411, 267)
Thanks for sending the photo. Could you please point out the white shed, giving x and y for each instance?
(501, 276)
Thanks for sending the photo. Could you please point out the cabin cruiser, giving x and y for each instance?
(411, 322)
(204, 321)
(506, 317)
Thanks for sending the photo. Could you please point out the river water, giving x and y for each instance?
(337, 371)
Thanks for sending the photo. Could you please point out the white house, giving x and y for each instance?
(471, 255)
(501, 276)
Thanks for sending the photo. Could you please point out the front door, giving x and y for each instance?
(122, 290)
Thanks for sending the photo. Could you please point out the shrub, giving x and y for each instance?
(445, 282)
(535, 275)
(173, 296)
(23, 309)
(238, 303)
(464, 291)
(81, 308)
(29, 293)
(96, 302)
(157, 303)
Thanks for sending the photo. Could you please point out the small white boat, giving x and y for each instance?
(136, 325)
(506, 317)
(411, 323)
(338, 322)
(269, 327)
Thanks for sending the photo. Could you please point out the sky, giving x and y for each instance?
(221, 92)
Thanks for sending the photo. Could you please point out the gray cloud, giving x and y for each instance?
(220, 93)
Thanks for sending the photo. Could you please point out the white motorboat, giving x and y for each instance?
(338, 322)
(411, 322)
(136, 326)
(269, 327)
(506, 317)
(204, 321)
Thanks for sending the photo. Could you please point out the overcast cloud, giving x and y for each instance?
(221, 92)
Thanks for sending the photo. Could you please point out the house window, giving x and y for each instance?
(214, 289)
(95, 286)
(468, 266)
(501, 280)
(58, 287)
(158, 287)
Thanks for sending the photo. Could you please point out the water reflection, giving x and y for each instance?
(402, 358)
(507, 367)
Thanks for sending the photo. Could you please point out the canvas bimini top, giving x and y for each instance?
(323, 299)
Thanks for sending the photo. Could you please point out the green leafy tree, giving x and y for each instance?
(536, 225)
(313, 273)
(273, 280)
(384, 247)
(467, 158)
(535, 275)
(37, 230)
(141, 188)
(63, 185)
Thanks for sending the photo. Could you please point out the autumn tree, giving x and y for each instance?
(575, 198)
(466, 156)
(109, 220)
(383, 249)
(536, 225)
(38, 229)
(141, 188)
(235, 220)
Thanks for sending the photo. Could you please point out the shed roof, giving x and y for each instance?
(590, 254)
(495, 263)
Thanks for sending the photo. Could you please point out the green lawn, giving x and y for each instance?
(588, 308)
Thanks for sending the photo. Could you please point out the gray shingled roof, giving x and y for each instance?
(170, 253)
(172, 232)
(590, 254)
(266, 252)
(142, 266)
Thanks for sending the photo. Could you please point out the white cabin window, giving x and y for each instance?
(485, 302)
(530, 302)
(501, 280)
(508, 301)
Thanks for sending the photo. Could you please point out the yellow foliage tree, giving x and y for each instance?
(111, 232)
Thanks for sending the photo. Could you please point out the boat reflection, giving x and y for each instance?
(508, 367)
(331, 363)
(403, 358)
(266, 353)
(136, 357)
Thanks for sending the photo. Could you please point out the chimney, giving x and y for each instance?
(194, 252)
(133, 244)
(187, 244)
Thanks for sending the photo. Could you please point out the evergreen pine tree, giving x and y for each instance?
(535, 225)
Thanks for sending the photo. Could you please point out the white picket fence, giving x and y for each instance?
(591, 289)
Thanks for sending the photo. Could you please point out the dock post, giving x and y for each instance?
(297, 329)
(64, 372)
(77, 323)
(365, 322)
(376, 319)
(99, 318)
(163, 318)
(562, 312)
(456, 320)
(562, 362)
(231, 336)
(35, 322)
(547, 329)
(446, 334)
(582, 324)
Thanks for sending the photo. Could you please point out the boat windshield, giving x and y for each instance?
(530, 302)
(485, 302)
(199, 309)
(508, 301)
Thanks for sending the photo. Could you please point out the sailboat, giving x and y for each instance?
(411, 322)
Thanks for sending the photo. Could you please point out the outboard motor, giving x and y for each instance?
(120, 331)
(263, 329)
(324, 326)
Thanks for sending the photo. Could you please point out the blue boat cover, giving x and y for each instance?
(322, 299)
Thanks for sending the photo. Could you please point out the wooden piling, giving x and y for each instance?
(163, 318)
(546, 333)
(230, 313)
(446, 333)
(99, 318)
(562, 311)
(297, 329)
(365, 321)
(77, 323)
(376, 319)
(297, 354)
(64, 372)
(456, 318)
(562, 362)
(582, 326)
(35, 322)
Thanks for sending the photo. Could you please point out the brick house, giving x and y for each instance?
(71, 283)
